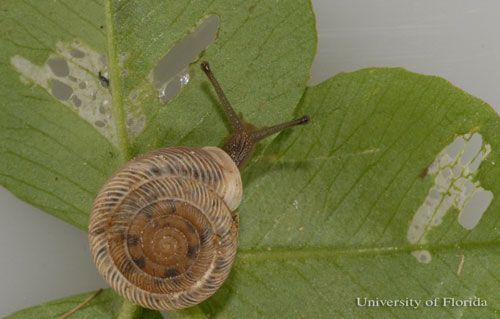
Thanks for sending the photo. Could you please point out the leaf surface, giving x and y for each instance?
(328, 207)
(105, 305)
(363, 202)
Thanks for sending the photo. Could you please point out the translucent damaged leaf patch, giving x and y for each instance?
(71, 76)
(74, 76)
(171, 74)
(454, 187)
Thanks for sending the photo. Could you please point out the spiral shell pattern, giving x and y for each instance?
(162, 232)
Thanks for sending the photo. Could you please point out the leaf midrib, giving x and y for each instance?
(116, 86)
(325, 252)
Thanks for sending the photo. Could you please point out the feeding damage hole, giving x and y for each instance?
(70, 75)
(171, 73)
(454, 170)
(73, 75)
(77, 76)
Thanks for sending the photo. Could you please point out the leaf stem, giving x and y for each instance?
(80, 305)
(115, 85)
(129, 310)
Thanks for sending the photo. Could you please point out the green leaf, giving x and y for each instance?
(56, 155)
(327, 209)
(102, 304)
(360, 203)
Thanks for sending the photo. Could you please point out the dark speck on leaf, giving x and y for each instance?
(424, 172)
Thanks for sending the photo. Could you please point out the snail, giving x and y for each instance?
(163, 229)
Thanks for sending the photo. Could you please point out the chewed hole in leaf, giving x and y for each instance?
(58, 66)
(454, 171)
(423, 256)
(170, 75)
(70, 75)
(61, 90)
(473, 210)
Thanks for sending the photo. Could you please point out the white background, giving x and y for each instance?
(43, 258)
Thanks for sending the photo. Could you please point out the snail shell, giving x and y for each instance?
(162, 232)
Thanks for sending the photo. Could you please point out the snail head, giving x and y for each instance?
(244, 136)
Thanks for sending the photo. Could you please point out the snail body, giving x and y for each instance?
(163, 232)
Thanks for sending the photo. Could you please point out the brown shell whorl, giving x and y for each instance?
(161, 230)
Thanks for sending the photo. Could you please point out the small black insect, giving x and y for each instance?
(104, 80)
